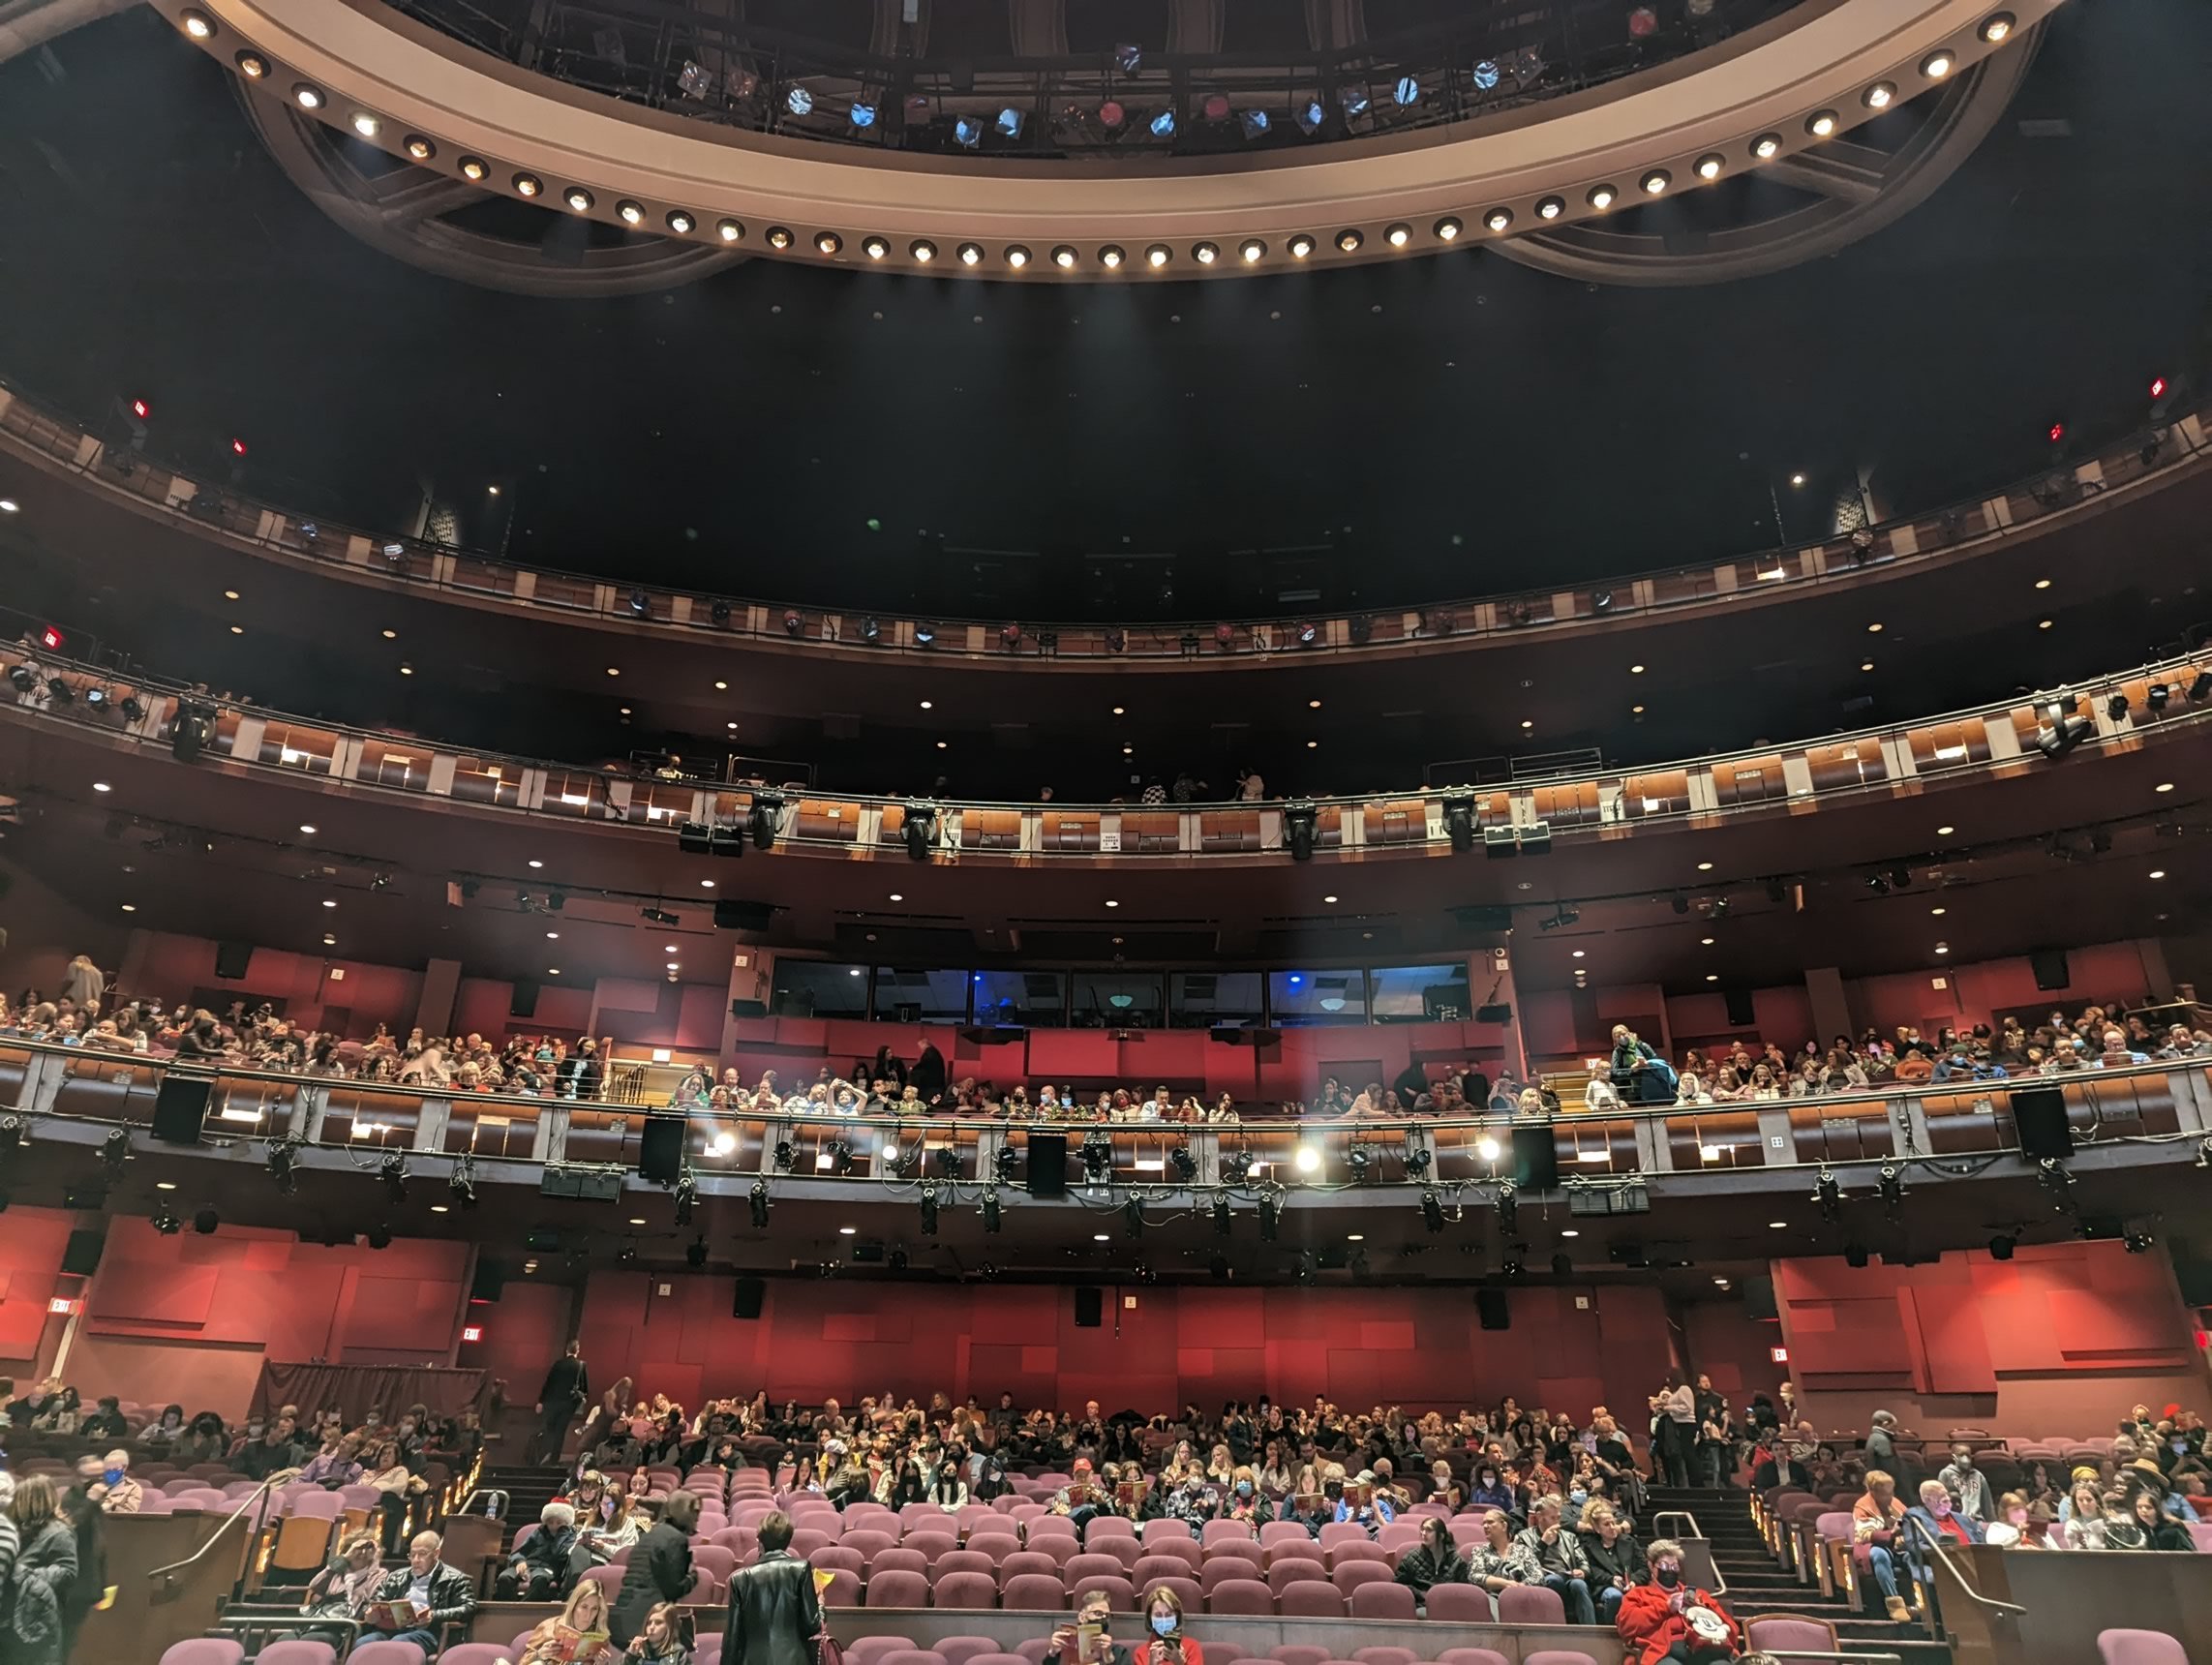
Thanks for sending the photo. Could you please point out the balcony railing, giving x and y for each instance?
(1977, 525)
(2157, 1112)
(1987, 742)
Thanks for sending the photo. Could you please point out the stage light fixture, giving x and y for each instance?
(1311, 115)
(758, 1198)
(2052, 1176)
(10, 1135)
(1098, 1155)
(206, 1220)
(1508, 1211)
(1458, 819)
(1299, 817)
(1432, 1211)
(920, 830)
(1890, 1181)
(1007, 1161)
(461, 1181)
(928, 1211)
(2001, 1245)
(165, 1221)
(1253, 122)
(862, 114)
(1185, 1163)
(2138, 1242)
(992, 1219)
(392, 1170)
(686, 1195)
(764, 817)
(967, 132)
(1357, 1160)
(1221, 1214)
(1418, 1162)
(799, 101)
(1133, 1217)
(695, 1254)
(1308, 1158)
(1237, 1167)
(1270, 1214)
(1829, 1194)
(114, 1152)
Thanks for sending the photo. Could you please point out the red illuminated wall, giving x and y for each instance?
(189, 1319)
(31, 1245)
(2100, 972)
(159, 963)
(46, 931)
(817, 1339)
(2057, 1341)
(1735, 1350)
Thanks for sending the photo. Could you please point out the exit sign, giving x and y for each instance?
(473, 1333)
(61, 1306)
(1780, 1355)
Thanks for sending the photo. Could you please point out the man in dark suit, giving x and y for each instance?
(774, 1613)
(567, 1386)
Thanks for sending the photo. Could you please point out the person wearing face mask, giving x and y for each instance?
(2011, 1523)
(1436, 1560)
(1246, 1501)
(949, 1492)
(124, 1495)
(1166, 1643)
(1670, 1619)
(1192, 1501)
(1490, 1490)
(1087, 1641)
(1968, 1486)
(1937, 1516)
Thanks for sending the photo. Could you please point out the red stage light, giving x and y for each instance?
(2057, 431)
(52, 638)
(238, 448)
(2158, 387)
(140, 409)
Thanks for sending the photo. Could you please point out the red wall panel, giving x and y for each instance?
(31, 1245)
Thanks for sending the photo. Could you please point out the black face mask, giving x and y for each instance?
(1667, 1577)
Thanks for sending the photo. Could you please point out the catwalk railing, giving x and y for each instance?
(71, 1093)
(2123, 711)
(1984, 522)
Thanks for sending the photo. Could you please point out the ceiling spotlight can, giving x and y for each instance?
(828, 242)
(1300, 246)
(971, 253)
(1016, 257)
(474, 167)
(1821, 123)
(1709, 166)
(365, 124)
(1499, 218)
(1879, 94)
(198, 24)
(1064, 257)
(630, 213)
(419, 147)
(1997, 26)
(1767, 146)
(1399, 235)
(528, 185)
(1349, 239)
(1551, 207)
(875, 248)
(251, 65)
(730, 230)
(1601, 197)
(1448, 228)
(922, 250)
(1655, 182)
(681, 222)
(578, 198)
(1937, 65)
(306, 97)
(1205, 254)
(1112, 256)
(1251, 248)
(1158, 256)
(778, 237)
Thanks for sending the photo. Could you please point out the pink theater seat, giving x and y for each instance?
(467, 1653)
(1102, 1526)
(1354, 1573)
(1010, 1658)
(914, 1656)
(1044, 1526)
(964, 1560)
(1156, 1532)
(1284, 1573)
(932, 1541)
(1026, 1563)
(1219, 1571)
(1090, 1566)
(1151, 1567)
(1299, 1654)
(959, 1650)
(1782, 1633)
(1223, 1531)
(1342, 1532)
(1245, 1550)
(708, 1652)
(1185, 1550)
(843, 1590)
(868, 1540)
(1338, 1554)
(1033, 1592)
(1398, 1538)
(900, 1558)
(807, 1539)
(1121, 1595)
(2136, 1648)
(870, 1649)
(385, 1654)
(1531, 1604)
(1557, 1656)
(1241, 1596)
(1284, 1532)
(1227, 1653)
(1470, 1655)
(1460, 1604)
(1034, 1649)
(1386, 1600)
(897, 1588)
(964, 1589)
(835, 1559)
(1311, 1599)
(205, 1650)
(921, 1515)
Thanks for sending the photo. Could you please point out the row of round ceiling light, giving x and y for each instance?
(1821, 124)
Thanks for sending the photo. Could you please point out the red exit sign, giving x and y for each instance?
(473, 1333)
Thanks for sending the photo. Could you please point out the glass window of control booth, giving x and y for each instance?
(1420, 993)
(1119, 999)
(921, 997)
(820, 988)
(1310, 999)
(1020, 999)
(1213, 999)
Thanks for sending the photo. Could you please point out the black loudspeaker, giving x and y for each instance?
(751, 1292)
(1048, 1165)
(741, 915)
(749, 1009)
(1496, 1311)
(1535, 1160)
(1759, 1299)
(660, 1149)
(488, 1283)
(231, 959)
(2040, 1115)
(1739, 1008)
(180, 1111)
(1499, 1013)
(2050, 968)
(1090, 1306)
(2194, 1276)
(81, 1258)
(522, 1001)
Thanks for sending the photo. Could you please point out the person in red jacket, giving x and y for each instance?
(1669, 1619)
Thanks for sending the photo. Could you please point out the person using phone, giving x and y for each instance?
(1164, 1642)
(1087, 1641)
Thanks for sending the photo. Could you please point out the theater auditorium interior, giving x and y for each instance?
(1106, 833)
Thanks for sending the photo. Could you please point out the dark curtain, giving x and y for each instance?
(357, 1388)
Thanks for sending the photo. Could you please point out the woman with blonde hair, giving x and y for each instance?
(577, 1636)
(661, 1641)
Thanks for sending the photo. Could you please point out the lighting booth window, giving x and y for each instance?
(1119, 1000)
(1213, 999)
(1310, 999)
(1020, 999)
(1421, 994)
(921, 997)
(817, 988)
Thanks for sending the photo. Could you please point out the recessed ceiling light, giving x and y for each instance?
(307, 827)
(1112, 904)
(237, 629)
(1399, 235)
(1713, 977)
(8, 505)
(1707, 941)
(1527, 723)
(330, 902)
(897, 897)
(1866, 664)
(391, 635)
(1936, 65)
(1251, 248)
(1766, 145)
(1355, 1236)
(365, 124)
(1578, 953)
(637, 1220)
(730, 230)
(1941, 948)
(1821, 123)
(1937, 913)
(1709, 166)
(1657, 181)
(1879, 94)
(721, 687)
(848, 1230)
(681, 222)
(925, 705)
(1570, 1231)
(1099, 1238)
(2158, 872)
(706, 884)
(1300, 246)
(614, 670)
(553, 971)
(1312, 705)
(941, 746)
(2164, 786)
(552, 936)
(229, 595)
(1635, 670)
(1704, 867)
(197, 25)
(1313, 745)
(1874, 629)
(306, 97)
(1601, 196)
(2043, 584)
(102, 786)
(2043, 624)
(130, 907)
(579, 199)
(527, 184)
(1945, 831)
(165, 1185)
(535, 863)
(1328, 898)
(438, 1208)
(1996, 27)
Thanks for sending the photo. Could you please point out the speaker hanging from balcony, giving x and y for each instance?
(2040, 1115)
(180, 1111)
(751, 1292)
(1495, 1311)
(1048, 1165)
(660, 1149)
(232, 958)
(1090, 1307)
(522, 1000)
(1536, 1159)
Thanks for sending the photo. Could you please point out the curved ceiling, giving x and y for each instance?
(1776, 92)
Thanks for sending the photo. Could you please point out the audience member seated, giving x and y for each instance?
(1166, 1643)
(1436, 1560)
(343, 1590)
(1088, 1640)
(1938, 1516)
(1617, 1560)
(577, 1635)
(1559, 1562)
(661, 1641)
(1669, 1619)
(547, 1562)
(417, 1602)
(1500, 1561)
(1968, 1486)
(1878, 1543)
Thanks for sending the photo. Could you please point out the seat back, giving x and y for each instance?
(897, 1588)
(1242, 1595)
(1037, 1592)
(300, 1650)
(1557, 1656)
(1789, 1633)
(1461, 1604)
(391, 1653)
(1531, 1604)
(1121, 1595)
(2124, 1648)
(1387, 1599)
(1311, 1599)
(205, 1650)
(964, 1589)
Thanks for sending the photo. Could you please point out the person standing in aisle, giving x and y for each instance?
(567, 1386)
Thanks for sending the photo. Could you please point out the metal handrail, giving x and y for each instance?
(1991, 1602)
(1720, 1578)
(257, 1494)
